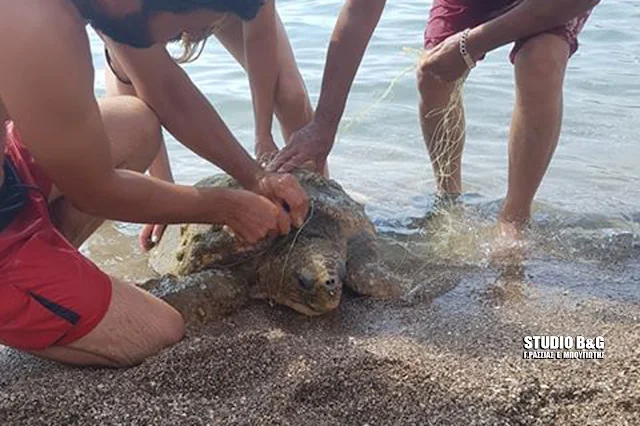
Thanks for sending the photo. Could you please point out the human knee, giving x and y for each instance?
(173, 328)
(427, 83)
(147, 325)
(144, 133)
(147, 123)
(543, 58)
(168, 329)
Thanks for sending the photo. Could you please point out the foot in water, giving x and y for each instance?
(443, 204)
(510, 244)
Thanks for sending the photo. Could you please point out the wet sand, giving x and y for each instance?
(449, 353)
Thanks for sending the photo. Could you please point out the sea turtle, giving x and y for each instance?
(208, 271)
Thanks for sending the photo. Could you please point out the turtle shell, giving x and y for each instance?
(190, 248)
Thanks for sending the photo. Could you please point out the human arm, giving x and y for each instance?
(261, 59)
(184, 111)
(526, 18)
(191, 118)
(151, 234)
(49, 95)
(349, 41)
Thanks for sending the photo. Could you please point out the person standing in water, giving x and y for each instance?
(260, 45)
(460, 33)
(69, 161)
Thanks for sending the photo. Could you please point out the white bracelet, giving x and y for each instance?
(463, 49)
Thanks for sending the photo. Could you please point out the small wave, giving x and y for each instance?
(465, 234)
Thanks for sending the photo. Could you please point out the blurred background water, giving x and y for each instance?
(588, 205)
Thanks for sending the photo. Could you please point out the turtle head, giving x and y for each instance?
(318, 284)
(307, 277)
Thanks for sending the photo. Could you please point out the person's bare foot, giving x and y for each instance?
(509, 246)
(443, 205)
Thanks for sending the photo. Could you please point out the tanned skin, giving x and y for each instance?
(95, 152)
(60, 106)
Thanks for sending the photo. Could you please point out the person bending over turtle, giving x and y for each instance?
(70, 160)
(459, 33)
(260, 45)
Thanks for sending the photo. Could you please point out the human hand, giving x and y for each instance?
(150, 236)
(309, 147)
(445, 61)
(252, 217)
(285, 191)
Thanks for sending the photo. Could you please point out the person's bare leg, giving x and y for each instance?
(134, 132)
(136, 326)
(292, 105)
(161, 165)
(444, 138)
(540, 67)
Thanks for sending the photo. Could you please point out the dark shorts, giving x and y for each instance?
(449, 17)
(50, 294)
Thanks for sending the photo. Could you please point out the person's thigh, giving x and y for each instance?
(230, 35)
(133, 129)
(55, 303)
(135, 327)
(568, 32)
(446, 18)
(449, 17)
(134, 133)
(292, 105)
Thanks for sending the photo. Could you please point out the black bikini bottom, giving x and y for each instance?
(13, 195)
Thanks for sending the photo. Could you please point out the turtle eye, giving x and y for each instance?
(305, 283)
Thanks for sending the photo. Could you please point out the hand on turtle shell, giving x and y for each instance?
(308, 148)
(253, 217)
(285, 191)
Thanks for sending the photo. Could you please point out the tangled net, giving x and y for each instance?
(448, 134)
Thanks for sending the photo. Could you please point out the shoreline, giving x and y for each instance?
(449, 354)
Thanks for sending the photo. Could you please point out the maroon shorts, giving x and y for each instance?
(449, 17)
(50, 294)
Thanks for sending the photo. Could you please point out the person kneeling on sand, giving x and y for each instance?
(459, 33)
(69, 160)
(260, 45)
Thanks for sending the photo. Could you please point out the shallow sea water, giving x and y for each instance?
(588, 208)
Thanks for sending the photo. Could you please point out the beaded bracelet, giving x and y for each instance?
(463, 49)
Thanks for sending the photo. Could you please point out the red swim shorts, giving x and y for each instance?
(449, 17)
(50, 294)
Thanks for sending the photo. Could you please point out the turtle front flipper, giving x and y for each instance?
(366, 273)
(203, 296)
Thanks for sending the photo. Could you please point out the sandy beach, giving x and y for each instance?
(451, 350)
(450, 353)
